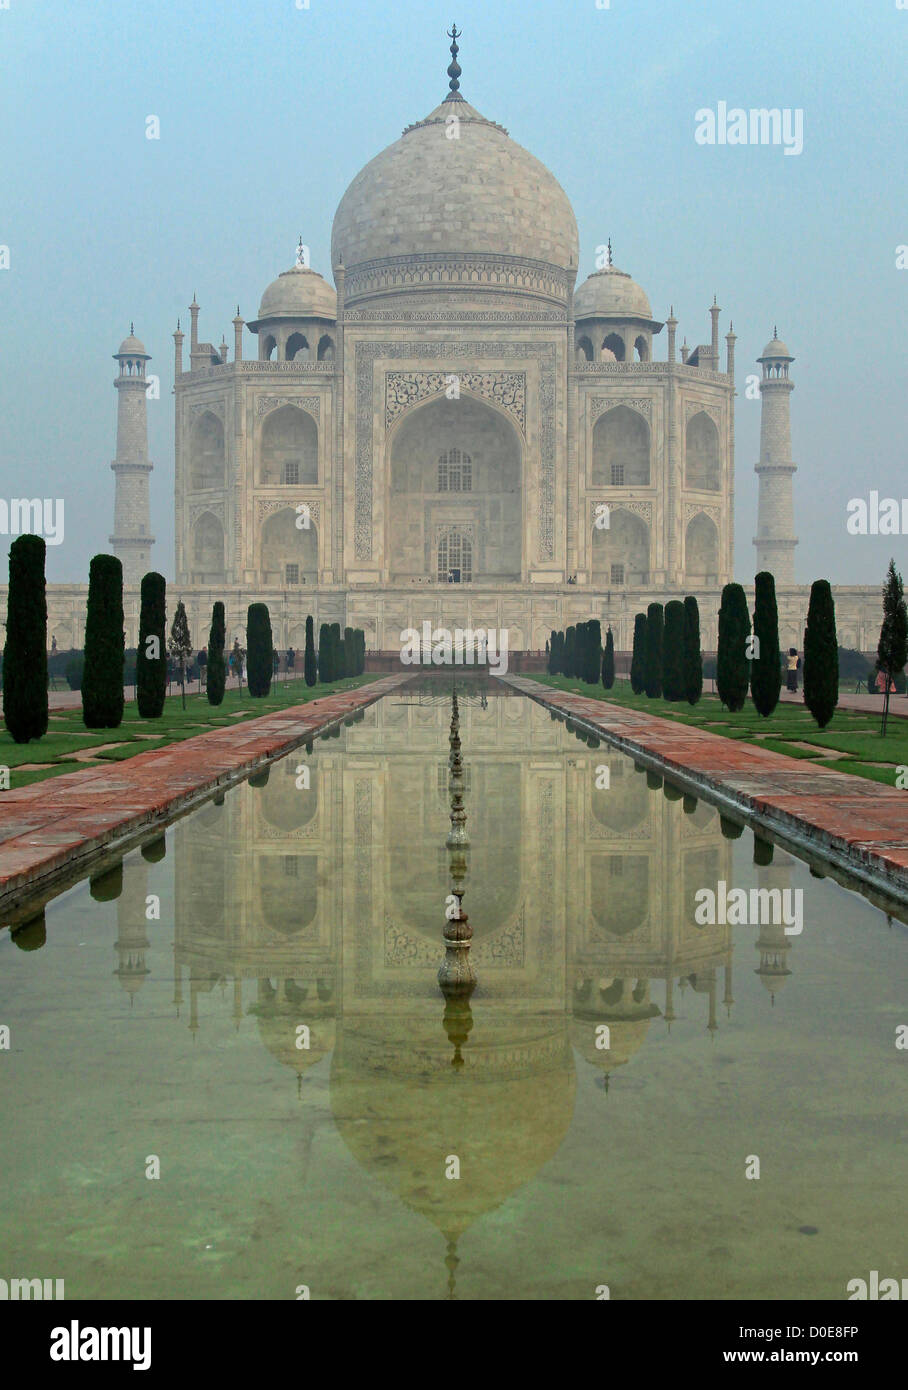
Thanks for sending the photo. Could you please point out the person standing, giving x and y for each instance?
(793, 664)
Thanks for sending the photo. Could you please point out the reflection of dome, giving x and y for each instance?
(277, 1024)
(626, 1036)
(299, 293)
(401, 1109)
(611, 294)
(478, 195)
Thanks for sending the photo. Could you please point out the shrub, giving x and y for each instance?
(673, 651)
(821, 654)
(179, 646)
(25, 706)
(217, 665)
(652, 669)
(766, 668)
(260, 649)
(151, 653)
(732, 665)
(638, 657)
(608, 661)
(102, 676)
(74, 669)
(693, 657)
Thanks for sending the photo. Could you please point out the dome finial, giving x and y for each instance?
(610, 260)
(775, 330)
(132, 328)
(454, 68)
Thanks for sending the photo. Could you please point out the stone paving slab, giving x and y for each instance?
(860, 826)
(47, 828)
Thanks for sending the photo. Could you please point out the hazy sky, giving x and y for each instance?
(268, 111)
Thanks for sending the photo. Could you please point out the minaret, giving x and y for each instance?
(132, 539)
(775, 539)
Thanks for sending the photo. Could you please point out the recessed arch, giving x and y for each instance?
(288, 891)
(206, 453)
(288, 553)
(620, 553)
(288, 448)
(619, 892)
(268, 348)
(325, 348)
(701, 550)
(614, 344)
(621, 449)
(702, 464)
(583, 349)
(297, 346)
(207, 549)
(642, 348)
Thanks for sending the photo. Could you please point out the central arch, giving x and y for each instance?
(455, 468)
(621, 449)
(288, 553)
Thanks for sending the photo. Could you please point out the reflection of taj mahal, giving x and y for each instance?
(324, 906)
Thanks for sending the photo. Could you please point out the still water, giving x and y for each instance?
(283, 1167)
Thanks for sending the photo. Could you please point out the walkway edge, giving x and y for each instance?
(56, 816)
(875, 868)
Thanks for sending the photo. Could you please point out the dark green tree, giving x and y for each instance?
(892, 649)
(151, 653)
(570, 646)
(324, 655)
(217, 664)
(732, 664)
(558, 654)
(310, 670)
(652, 669)
(608, 661)
(349, 668)
(821, 654)
(593, 653)
(180, 645)
(766, 667)
(638, 656)
(673, 651)
(261, 650)
(25, 650)
(105, 649)
(550, 653)
(693, 657)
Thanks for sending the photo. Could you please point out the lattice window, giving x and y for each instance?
(616, 867)
(455, 471)
(617, 574)
(291, 574)
(291, 471)
(289, 866)
(617, 475)
(455, 558)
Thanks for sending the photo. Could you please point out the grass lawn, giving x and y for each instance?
(67, 735)
(853, 734)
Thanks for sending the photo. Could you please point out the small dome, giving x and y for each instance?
(299, 293)
(776, 348)
(611, 294)
(131, 347)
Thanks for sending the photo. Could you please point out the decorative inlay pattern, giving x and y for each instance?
(507, 389)
(264, 404)
(643, 509)
(213, 407)
(507, 948)
(461, 272)
(692, 508)
(692, 408)
(198, 509)
(598, 405)
(264, 506)
(406, 314)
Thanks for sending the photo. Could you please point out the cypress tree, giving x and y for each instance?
(558, 653)
(324, 654)
(349, 667)
(638, 677)
(362, 651)
(550, 647)
(732, 665)
(570, 644)
(25, 650)
(260, 650)
(105, 649)
(892, 649)
(673, 651)
(608, 661)
(593, 652)
(652, 669)
(766, 668)
(693, 657)
(821, 654)
(309, 667)
(151, 653)
(217, 665)
(180, 644)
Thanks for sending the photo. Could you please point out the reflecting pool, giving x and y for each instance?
(251, 1000)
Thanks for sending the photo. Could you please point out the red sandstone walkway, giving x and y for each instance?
(855, 823)
(50, 826)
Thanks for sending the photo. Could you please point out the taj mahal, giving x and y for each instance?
(456, 431)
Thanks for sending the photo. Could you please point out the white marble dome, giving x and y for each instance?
(479, 195)
(611, 294)
(299, 293)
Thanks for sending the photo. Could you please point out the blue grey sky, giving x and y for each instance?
(268, 111)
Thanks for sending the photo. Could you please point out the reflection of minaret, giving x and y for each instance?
(772, 942)
(455, 975)
(132, 539)
(132, 943)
